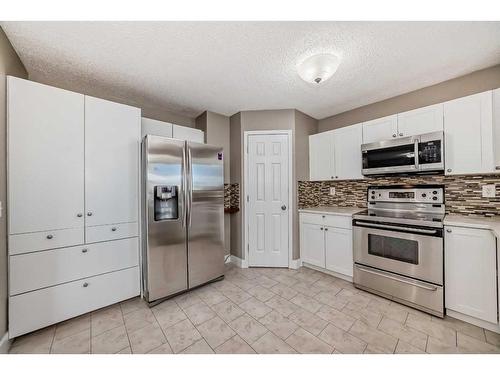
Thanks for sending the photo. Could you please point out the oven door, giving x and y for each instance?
(411, 251)
(394, 156)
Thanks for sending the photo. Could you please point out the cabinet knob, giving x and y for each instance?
(49, 236)
(323, 216)
(394, 135)
(84, 250)
(400, 134)
(326, 229)
(85, 285)
(332, 177)
(89, 213)
(448, 230)
(113, 229)
(336, 176)
(448, 170)
(79, 214)
(321, 228)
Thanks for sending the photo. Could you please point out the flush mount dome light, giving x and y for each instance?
(318, 68)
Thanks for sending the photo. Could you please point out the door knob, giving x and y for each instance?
(85, 285)
(89, 213)
(283, 207)
(84, 250)
(49, 237)
(114, 228)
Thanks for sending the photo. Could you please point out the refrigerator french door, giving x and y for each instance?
(183, 216)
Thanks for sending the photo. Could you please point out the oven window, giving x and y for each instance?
(389, 157)
(393, 248)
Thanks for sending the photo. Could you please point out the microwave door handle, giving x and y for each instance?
(395, 278)
(417, 166)
(385, 226)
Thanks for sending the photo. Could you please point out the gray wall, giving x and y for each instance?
(9, 65)
(236, 168)
(482, 80)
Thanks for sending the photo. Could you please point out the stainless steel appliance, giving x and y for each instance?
(398, 245)
(183, 214)
(416, 154)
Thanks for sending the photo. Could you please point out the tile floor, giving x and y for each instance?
(262, 310)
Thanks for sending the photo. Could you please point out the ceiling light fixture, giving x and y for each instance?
(318, 68)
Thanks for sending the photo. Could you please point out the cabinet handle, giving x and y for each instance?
(84, 250)
(400, 134)
(89, 213)
(113, 229)
(394, 135)
(448, 230)
(448, 170)
(49, 236)
(79, 214)
(85, 285)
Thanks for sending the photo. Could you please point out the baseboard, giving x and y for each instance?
(238, 262)
(5, 344)
(295, 264)
(475, 321)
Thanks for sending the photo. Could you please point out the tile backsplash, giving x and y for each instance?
(231, 196)
(463, 194)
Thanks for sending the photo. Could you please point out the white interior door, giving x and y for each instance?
(268, 211)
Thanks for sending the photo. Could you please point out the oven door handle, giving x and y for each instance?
(385, 226)
(395, 278)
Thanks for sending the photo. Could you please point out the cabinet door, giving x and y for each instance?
(112, 134)
(380, 129)
(468, 126)
(496, 127)
(321, 155)
(155, 127)
(338, 250)
(312, 244)
(421, 120)
(348, 152)
(470, 272)
(188, 134)
(45, 157)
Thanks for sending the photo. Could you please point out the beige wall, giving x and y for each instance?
(469, 84)
(9, 65)
(236, 167)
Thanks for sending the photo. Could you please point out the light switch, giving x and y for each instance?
(332, 191)
(489, 191)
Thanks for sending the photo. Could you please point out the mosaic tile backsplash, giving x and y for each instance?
(231, 196)
(463, 194)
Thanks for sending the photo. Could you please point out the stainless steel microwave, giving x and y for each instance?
(416, 154)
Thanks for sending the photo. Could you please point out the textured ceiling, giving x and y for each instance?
(225, 67)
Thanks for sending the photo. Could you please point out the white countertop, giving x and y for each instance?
(332, 210)
(491, 223)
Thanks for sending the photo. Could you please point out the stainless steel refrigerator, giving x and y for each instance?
(183, 215)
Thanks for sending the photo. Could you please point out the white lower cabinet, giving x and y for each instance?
(326, 242)
(471, 273)
(31, 311)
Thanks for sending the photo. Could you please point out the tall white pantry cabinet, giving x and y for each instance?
(73, 193)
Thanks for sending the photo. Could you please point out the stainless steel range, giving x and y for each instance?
(398, 245)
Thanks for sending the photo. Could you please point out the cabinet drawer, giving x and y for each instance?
(338, 221)
(29, 242)
(312, 218)
(111, 232)
(31, 311)
(52, 267)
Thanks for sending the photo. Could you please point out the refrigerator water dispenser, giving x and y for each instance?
(166, 202)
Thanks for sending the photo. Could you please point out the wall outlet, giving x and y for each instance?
(332, 191)
(489, 191)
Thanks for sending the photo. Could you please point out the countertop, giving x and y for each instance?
(491, 223)
(333, 210)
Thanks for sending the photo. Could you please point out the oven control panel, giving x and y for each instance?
(421, 194)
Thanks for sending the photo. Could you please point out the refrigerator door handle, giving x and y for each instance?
(183, 188)
(189, 189)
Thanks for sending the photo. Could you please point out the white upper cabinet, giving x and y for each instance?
(347, 153)
(155, 127)
(321, 156)
(470, 272)
(188, 134)
(421, 120)
(380, 129)
(468, 126)
(496, 127)
(112, 134)
(45, 157)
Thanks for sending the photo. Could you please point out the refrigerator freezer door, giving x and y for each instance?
(205, 213)
(164, 248)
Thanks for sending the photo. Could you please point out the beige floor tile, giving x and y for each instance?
(162, 349)
(404, 333)
(341, 340)
(215, 332)
(330, 298)
(212, 296)
(308, 321)
(278, 324)
(244, 283)
(255, 308)
(235, 345)
(307, 303)
(199, 347)
(461, 326)
(436, 346)
(354, 297)
(336, 317)
(327, 285)
(281, 305)
(374, 349)
(248, 328)
(146, 339)
(237, 297)
(265, 281)
(374, 337)
(272, 344)
(168, 315)
(492, 338)
(78, 343)
(467, 344)
(384, 307)
(308, 278)
(249, 273)
(405, 348)
(306, 343)
(284, 291)
(133, 304)
(285, 280)
(138, 319)
(199, 313)
(127, 350)
(228, 311)
(187, 299)
(367, 315)
(181, 335)
(110, 342)
(261, 293)
(106, 319)
(224, 286)
(431, 328)
(72, 326)
(38, 342)
(306, 289)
